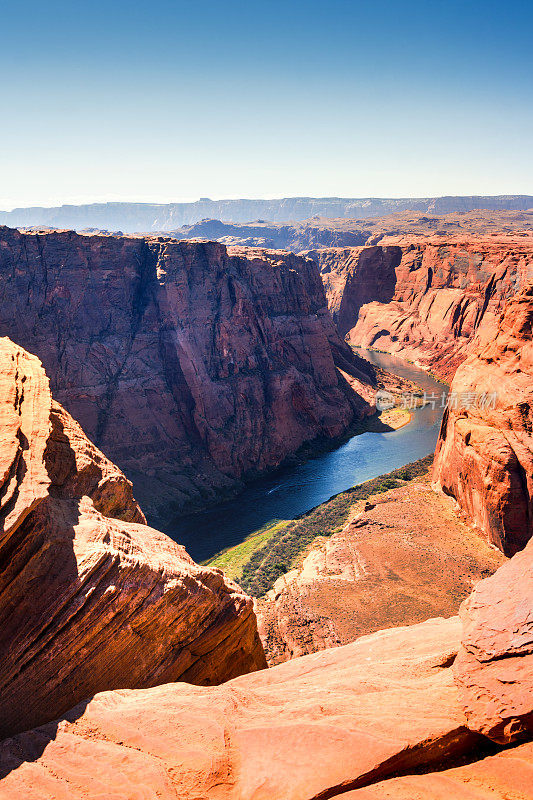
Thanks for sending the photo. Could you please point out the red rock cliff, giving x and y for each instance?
(189, 364)
(424, 298)
(484, 455)
(90, 597)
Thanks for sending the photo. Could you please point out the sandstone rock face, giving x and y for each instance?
(310, 728)
(425, 298)
(502, 776)
(484, 455)
(191, 366)
(403, 556)
(90, 597)
(354, 276)
(494, 668)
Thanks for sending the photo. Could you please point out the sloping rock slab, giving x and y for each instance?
(505, 776)
(90, 598)
(494, 668)
(309, 728)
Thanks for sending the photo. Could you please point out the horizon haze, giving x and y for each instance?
(161, 217)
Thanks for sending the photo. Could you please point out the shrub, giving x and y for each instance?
(279, 553)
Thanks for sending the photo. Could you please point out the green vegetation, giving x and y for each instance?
(232, 559)
(266, 554)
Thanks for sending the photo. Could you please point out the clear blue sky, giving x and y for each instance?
(175, 100)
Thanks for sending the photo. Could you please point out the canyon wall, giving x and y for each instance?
(355, 276)
(190, 365)
(91, 598)
(484, 455)
(424, 298)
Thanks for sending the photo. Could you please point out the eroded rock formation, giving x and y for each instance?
(484, 455)
(425, 298)
(310, 728)
(90, 597)
(494, 668)
(190, 365)
(402, 557)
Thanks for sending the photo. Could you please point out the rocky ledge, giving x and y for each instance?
(484, 456)
(382, 717)
(91, 598)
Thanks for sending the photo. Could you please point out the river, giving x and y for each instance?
(296, 489)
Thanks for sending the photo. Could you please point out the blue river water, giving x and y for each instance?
(296, 489)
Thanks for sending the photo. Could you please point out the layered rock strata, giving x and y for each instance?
(90, 597)
(424, 299)
(192, 366)
(484, 455)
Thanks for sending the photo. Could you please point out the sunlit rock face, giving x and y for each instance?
(91, 598)
(425, 298)
(484, 455)
(191, 365)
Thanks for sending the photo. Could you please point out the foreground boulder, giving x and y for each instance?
(90, 597)
(494, 668)
(310, 728)
(484, 456)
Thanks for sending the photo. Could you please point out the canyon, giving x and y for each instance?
(192, 366)
(424, 297)
(383, 557)
(150, 666)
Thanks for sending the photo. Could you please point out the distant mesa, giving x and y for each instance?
(135, 217)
